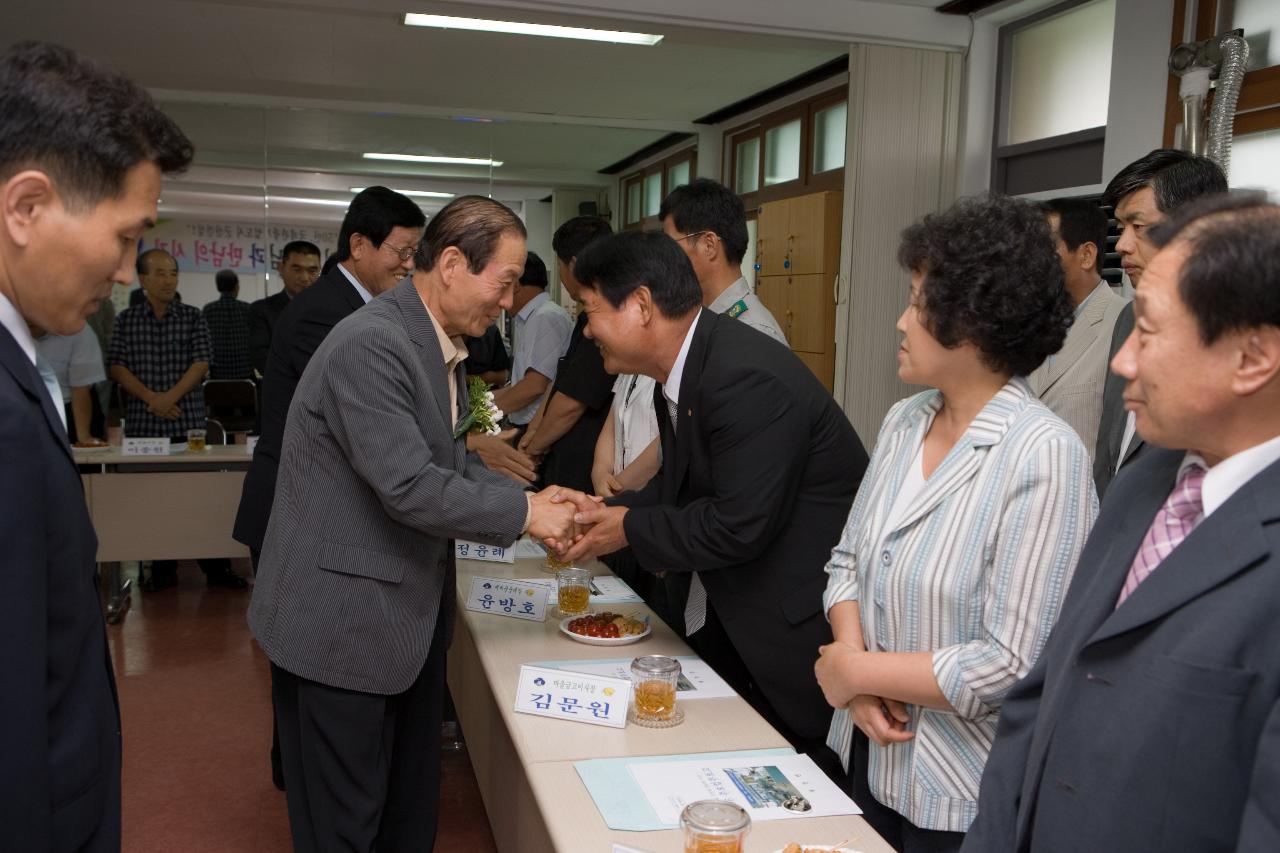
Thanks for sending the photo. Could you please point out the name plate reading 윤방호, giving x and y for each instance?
(145, 447)
(595, 699)
(508, 598)
(488, 553)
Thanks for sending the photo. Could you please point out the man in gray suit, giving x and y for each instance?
(1143, 194)
(1152, 719)
(355, 592)
(1070, 381)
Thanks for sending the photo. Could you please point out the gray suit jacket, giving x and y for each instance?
(1070, 381)
(1155, 725)
(358, 559)
(1114, 417)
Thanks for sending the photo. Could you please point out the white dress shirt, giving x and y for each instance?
(1231, 474)
(355, 282)
(671, 388)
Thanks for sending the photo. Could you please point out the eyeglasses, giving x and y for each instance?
(680, 237)
(404, 252)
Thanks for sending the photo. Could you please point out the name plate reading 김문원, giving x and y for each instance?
(145, 447)
(488, 553)
(595, 699)
(508, 598)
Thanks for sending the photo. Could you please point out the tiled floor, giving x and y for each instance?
(195, 701)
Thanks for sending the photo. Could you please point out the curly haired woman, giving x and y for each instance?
(966, 529)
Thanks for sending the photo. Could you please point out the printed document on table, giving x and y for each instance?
(697, 679)
(776, 788)
(527, 548)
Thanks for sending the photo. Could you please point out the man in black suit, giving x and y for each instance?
(299, 268)
(1143, 194)
(759, 471)
(1152, 719)
(82, 150)
(375, 250)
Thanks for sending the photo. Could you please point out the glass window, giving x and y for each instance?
(677, 175)
(828, 138)
(1255, 161)
(652, 194)
(1060, 73)
(747, 179)
(782, 153)
(1260, 20)
(633, 202)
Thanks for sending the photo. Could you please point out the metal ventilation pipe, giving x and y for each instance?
(1235, 56)
(1193, 88)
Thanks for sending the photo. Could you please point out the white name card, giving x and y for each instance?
(508, 598)
(251, 443)
(145, 447)
(594, 699)
(488, 553)
(622, 848)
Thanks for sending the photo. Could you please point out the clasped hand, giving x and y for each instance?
(576, 525)
(883, 721)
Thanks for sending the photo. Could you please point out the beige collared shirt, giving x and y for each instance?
(454, 351)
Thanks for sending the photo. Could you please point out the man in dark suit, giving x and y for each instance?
(355, 598)
(759, 471)
(82, 150)
(375, 250)
(1143, 194)
(1152, 719)
(299, 268)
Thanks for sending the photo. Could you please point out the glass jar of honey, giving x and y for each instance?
(654, 680)
(573, 595)
(714, 826)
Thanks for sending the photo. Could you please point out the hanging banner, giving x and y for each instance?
(240, 246)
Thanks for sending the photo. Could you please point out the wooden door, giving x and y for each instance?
(823, 366)
(772, 290)
(812, 309)
(814, 233)
(772, 229)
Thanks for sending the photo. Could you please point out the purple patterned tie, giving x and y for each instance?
(1180, 514)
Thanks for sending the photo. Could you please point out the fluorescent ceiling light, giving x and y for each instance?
(425, 158)
(421, 193)
(297, 200)
(414, 19)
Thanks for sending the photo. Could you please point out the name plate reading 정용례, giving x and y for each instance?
(594, 699)
(145, 447)
(508, 598)
(488, 553)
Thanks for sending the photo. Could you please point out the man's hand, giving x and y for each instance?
(498, 455)
(884, 721)
(164, 406)
(524, 446)
(551, 519)
(604, 532)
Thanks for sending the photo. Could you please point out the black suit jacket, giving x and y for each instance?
(1114, 417)
(59, 721)
(304, 323)
(754, 491)
(1155, 725)
(263, 315)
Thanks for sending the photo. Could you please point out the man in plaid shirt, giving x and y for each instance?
(160, 353)
(228, 320)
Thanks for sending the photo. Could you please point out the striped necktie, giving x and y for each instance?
(1182, 511)
(695, 609)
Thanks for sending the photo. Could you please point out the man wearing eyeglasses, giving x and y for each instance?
(707, 220)
(376, 242)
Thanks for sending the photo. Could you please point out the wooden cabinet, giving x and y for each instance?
(798, 251)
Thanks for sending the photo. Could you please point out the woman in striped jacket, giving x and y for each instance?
(965, 532)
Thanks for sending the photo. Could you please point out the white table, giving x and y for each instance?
(524, 763)
(176, 507)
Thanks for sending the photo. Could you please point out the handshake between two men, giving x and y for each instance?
(576, 525)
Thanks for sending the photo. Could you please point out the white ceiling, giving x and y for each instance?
(302, 88)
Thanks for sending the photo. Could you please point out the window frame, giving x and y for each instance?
(1259, 106)
(661, 167)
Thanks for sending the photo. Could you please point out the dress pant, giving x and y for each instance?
(362, 770)
(901, 834)
(712, 644)
(277, 769)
